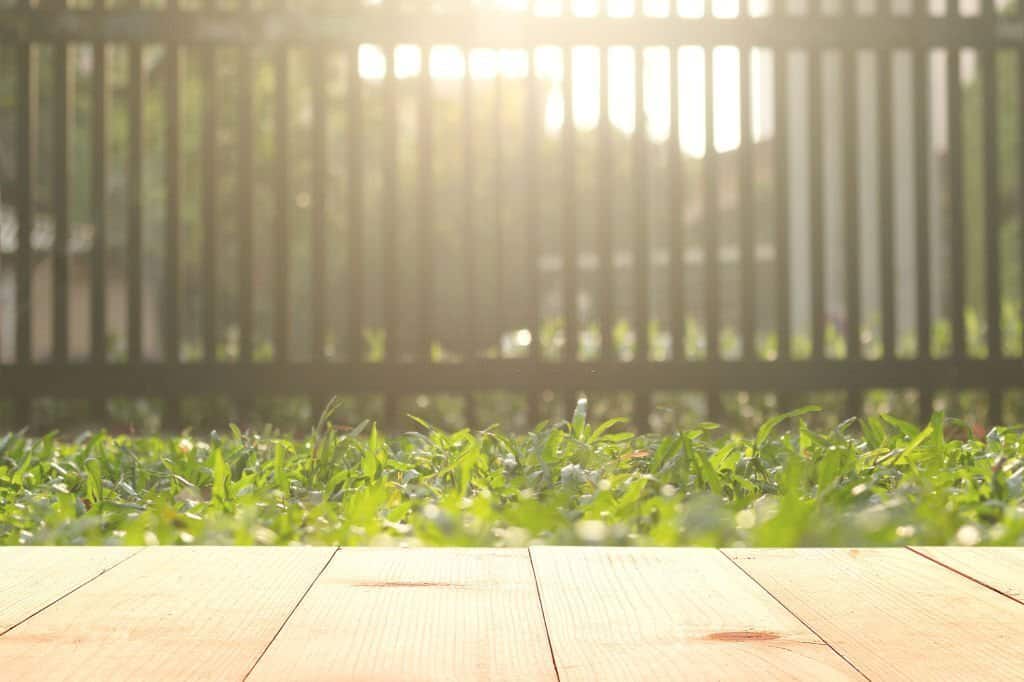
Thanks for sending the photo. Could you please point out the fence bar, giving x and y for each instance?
(210, 175)
(282, 195)
(747, 238)
(817, 204)
(677, 219)
(712, 281)
(62, 122)
(318, 271)
(81, 380)
(171, 418)
(425, 206)
(244, 199)
(852, 215)
(606, 273)
(782, 217)
(532, 200)
(1020, 171)
(993, 296)
(384, 25)
(469, 241)
(886, 206)
(27, 113)
(642, 239)
(98, 273)
(570, 274)
(389, 225)
(135, 169)
(570, 270)
(499, 191)
(956, 203)
(354, 146)
(922, 149)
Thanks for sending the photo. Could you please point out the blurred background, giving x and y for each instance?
(475, 211)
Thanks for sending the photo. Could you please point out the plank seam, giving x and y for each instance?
(291, 613)
(71, 591)
(792, 613)
(964, 575)
(543, 613)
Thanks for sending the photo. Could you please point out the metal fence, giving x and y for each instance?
(352, 292)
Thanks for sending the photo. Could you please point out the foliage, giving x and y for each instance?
(879, 481)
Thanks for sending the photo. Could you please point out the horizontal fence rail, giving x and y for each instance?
(344, 198)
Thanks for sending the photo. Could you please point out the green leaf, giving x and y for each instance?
(766, 429)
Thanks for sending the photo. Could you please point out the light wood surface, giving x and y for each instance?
(667, 614)
(166, 614)
(1001, 568)
(416, 614)
(32, 578)
(603, 614)
(896, 615)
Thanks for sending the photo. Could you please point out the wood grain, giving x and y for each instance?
(896, 615)
(416, 614)
(31, 578)
(168, 613)
(1001, 568)
(667, 614)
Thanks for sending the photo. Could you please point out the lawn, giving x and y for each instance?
(876, 481)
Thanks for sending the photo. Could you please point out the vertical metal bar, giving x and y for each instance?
(425, 208)
(210, 178)
(282, 182)
(852, 216)
(98, 275)
(956, 203)
(677, 220)
(782, 217)
(711, 288)
(135, 169)
(570, 275)
(318, 220)
(606, 273)
(1020, 172)
(745, 160)
(570, 271)
(817, 203)
(63, 122)
(642, 239)
(499, 194)
(993, 294)
(532, 201)
(469, 245)
(922, 150)
(27, 113)
(318, 271)
(172, 123)
(711, 244)
(389, 225)
(244, 200)
(641, 226)
(887, 213)
(355, 206)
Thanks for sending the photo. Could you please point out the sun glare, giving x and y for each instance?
(448, 62)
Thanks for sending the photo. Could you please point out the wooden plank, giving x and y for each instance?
(894, 614)
(168, 613)
(424, 614)
(34, 577)
(1000, 568)
(662, 614)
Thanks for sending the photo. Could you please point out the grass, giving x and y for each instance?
(877, 481)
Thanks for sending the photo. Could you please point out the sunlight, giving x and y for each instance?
(448, 62)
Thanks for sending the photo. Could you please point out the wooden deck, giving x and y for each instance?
(548, 613)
